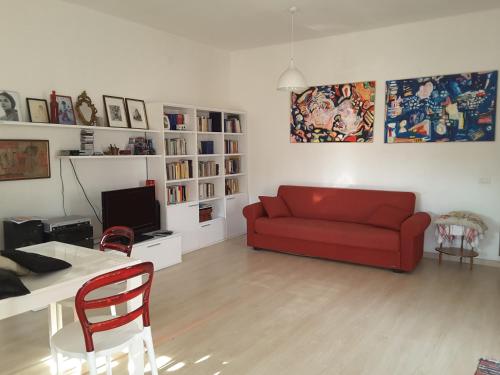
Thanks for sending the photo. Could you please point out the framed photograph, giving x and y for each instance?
(38, 110)
(10, 106)
(116, 114)
(65, 111)
(136, 111)
(24, 159)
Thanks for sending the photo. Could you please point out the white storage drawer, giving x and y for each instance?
(162, 251)
(235, 221)
(211, 232)
(183, 218)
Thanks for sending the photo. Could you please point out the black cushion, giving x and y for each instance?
(35, 262)
(11, 285)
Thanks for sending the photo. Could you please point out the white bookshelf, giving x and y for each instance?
(183, 217)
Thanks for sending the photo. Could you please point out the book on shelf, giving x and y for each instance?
(232, 165)
(180, 170)
(230, 146)
(205, 212)
(177, 194)
(232, 186)
(206, 190)
(206, 147)
(210, 123)
(175, 146)
(208, 168)
(232, 125)
(86, 142)
(175, 121)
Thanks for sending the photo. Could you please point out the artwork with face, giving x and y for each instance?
(65, 112)
(9, 106)
(446, 108)
(336, 113)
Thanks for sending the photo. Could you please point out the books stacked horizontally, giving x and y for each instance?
(208, 169)
(175, 121)
(206, 147)
(232, 165)
(180, 170)
(175, 146)
(177, 194)
(232, 186)
(232, 125)
(87, 142)
(230, 147)
(207, 190)
(205, 212)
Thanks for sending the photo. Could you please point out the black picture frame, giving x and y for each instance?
(30, 113)
(131, 117)
(116, 119)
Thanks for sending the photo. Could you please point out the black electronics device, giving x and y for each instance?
(74, 230)
(136, 208)
(22, 234)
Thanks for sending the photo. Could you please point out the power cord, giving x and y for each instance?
(62, 187)
(84, 193)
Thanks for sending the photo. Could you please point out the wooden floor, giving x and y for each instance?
(228, 309)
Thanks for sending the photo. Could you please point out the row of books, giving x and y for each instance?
(206, 190)
(175, 121)
(230, 147)
(232, 165)
(208, 169)
(180, 170)
(205, 124)
(232, 125)
(232, 186)
(206, 147)
(175, 146)
(177, 194)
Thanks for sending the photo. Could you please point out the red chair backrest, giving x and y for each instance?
(82, 305)
(111, 234)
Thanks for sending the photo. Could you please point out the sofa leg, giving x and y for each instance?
(398, 271)
(257, 248)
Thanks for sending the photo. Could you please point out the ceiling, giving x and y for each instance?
(239, 24)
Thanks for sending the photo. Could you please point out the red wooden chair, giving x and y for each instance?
(112, 234)
(90, 338)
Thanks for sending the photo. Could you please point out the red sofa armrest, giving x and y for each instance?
(252, 212)
(412, 239)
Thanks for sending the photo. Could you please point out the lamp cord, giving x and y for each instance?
(62, 187)
(84, 193)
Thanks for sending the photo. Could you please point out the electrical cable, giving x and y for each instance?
(84, 193)
(62, 187)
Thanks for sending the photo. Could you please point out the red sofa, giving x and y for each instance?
(332, 223)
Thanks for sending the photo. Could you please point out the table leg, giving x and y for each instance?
(440, 258)
(136, 352)
(53, 319)
(471, 262)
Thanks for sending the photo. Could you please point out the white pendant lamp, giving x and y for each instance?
(292, 79)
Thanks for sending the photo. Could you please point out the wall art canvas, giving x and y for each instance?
(10, 106)
(446, 108)
(22, 159)
(335, 113)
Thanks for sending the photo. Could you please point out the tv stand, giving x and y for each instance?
(162, 251)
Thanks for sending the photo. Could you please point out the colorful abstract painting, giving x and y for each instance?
(447, 108)
(337, 113)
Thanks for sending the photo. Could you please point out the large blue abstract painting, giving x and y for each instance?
(446, 108)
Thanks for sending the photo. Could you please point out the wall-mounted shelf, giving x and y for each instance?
(208, 155)
(110, 157)
(179, 156)
(21, 124)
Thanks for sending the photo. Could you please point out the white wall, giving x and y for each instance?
(49, 44)
(444, 176)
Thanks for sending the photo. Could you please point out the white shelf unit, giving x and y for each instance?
(183, 217)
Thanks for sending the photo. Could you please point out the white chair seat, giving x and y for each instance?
(70, 340)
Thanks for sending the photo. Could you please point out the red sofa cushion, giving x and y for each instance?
(348, 205)
(334, 232)
(388, 217)
(275, 207)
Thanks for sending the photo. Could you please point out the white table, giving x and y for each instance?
(48, 289)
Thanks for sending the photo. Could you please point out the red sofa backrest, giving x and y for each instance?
(349, 205)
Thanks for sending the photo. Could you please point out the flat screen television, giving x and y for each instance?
(135, 208)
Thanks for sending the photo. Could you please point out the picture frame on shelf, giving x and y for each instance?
(10, 106)
(65, 110)
(25, 159)
(116, 114)
(136, 112)
(38, 110)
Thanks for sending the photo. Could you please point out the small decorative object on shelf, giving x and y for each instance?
(54, 118)
(460, 227)
(86, 110)
(125, 152)
(10, 105)
(112, 150)
(38, 110)
(141, 146)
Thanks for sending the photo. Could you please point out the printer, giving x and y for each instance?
(73, 229)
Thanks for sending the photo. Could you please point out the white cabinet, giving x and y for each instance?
(162, 251)
(184, 218)
(211, 232)
(235, 221)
